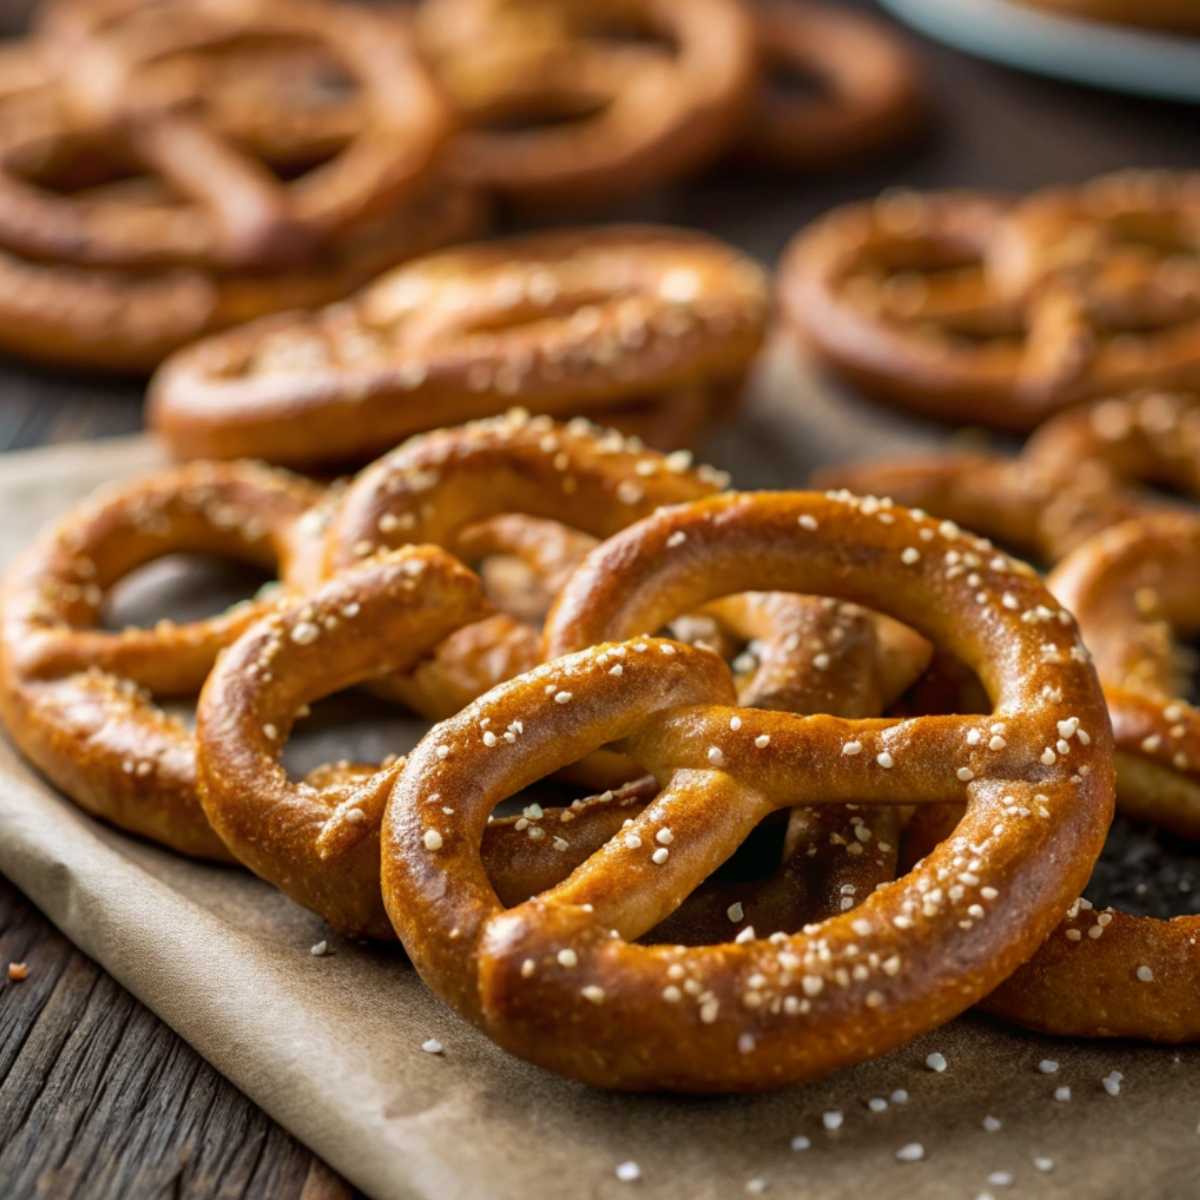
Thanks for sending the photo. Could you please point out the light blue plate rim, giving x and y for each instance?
(1129, 60)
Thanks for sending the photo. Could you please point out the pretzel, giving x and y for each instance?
(1078, 474)
(318, 839)
(131, 320)
(957, 308)
(76, 699)
(434, 488)
(770, 1011)
(636, 116)
(870, 95)
(239, 215)
(1173, 15)
(1107, 272)
(570, 321)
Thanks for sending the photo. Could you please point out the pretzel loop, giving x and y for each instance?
(77, 699)
(785, 1008)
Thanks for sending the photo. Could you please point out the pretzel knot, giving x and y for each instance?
(573, 321)
(1036, 775)
(968, 309)
(77, 699)
(241, 214)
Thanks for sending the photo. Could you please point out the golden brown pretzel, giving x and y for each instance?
(1078, 474)
(964, 309)
(75, 699)
(893, 294)
(317, 839)
(549, 981)
(1108, 274)
(240, 215)
(131, 320)
(434, 488)
(637, 115)
(570, 321)
(869, 93)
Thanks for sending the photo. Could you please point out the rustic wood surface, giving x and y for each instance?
(98, 1098)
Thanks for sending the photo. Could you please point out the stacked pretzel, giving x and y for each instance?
(173, 167)
(786, 864)
(982, 310)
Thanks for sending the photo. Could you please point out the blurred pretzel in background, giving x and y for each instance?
(1084, 470)
(986, 312)
(577, 321)
(634, 93)
(143, 202)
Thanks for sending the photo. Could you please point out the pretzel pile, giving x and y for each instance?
(785, 858)
(1175, 16)
(979, 310)
(143, 202)
(569, 102)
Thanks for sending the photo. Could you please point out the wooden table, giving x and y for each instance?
(97, 1097)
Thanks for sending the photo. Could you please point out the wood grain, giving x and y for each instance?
(98, 1099)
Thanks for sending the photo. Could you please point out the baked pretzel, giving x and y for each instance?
(622, 116)
(569, 321)
(1176, 15)
(1078, 473)
(435, 488)
(131, 320)
(76, 699)
(868, 94)
(239, 214)
(963, 308)
(767, 1011)
(1107, 271)
(318, 839)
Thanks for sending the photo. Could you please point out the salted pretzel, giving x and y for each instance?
(621, 116)
(131, 320)
(868, 94)
(318, 839)
(1171, 15)
(435, 488)
(1078, 473)
(766, 1011)
(77, 699)
(239, 214)
(1108, 274)
(967, 309)
(570, 321)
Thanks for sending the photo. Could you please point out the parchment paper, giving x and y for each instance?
(331, 1046)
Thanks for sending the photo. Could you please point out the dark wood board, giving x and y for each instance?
(98, 1098)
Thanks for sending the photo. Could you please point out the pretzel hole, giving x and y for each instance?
(180, 588)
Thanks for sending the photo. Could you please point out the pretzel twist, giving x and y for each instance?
(571, 321)
(818, 999)
(962, 308)
(77, 699)
(1078, 474)
(637, 115)
(240, 215)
